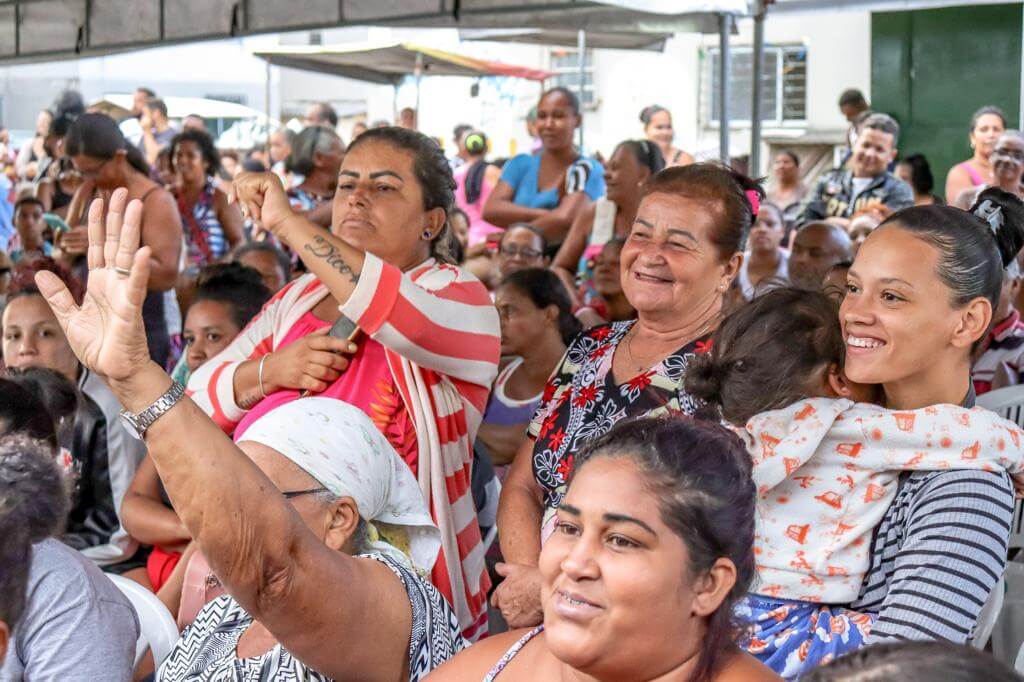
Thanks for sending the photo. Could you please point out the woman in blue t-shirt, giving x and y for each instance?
(549, 187)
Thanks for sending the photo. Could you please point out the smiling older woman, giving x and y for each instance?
(683, 252)
(429, 339)
(280, 536)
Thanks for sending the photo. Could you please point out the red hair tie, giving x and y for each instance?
(754, 200)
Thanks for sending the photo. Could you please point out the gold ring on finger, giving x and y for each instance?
(123, 273)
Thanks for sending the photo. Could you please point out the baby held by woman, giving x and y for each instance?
(827, 463)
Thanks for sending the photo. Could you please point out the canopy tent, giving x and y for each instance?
(120, 106)
(389, 63)
(35, 30)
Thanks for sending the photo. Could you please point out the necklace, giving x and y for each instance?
(640, 367)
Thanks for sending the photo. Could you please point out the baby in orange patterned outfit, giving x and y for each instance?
(826, 461)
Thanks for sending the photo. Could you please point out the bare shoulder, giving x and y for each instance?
(743, 667)
(475, 662)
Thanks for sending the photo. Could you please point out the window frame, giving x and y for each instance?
(777, 120)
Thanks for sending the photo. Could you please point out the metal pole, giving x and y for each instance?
(268, 107)
(1021, 105)
(581, 47)
(419, 77)
(724, 27)
(755, 105)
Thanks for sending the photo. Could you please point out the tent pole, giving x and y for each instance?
(268, 107)
(755, 106)
(1021, 105)
(394, 103)
(724, 26)
(581, 54)
(419, 78)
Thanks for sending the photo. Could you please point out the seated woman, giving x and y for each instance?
(315, 156)
(536, 326)
(227, 297)
(273, 264)
(549, 188)
(282, 536)
(68, 599)
(475, 180)
(787, 190)
(987, 124)
(631, 165)
(826, 468)
(615, 307)
(765, 262)
(654, 537)
(212, 226)
(677, 280)
(428, 344)
(658, 129)
(102, 453)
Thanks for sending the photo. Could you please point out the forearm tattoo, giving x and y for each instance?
(329, 252)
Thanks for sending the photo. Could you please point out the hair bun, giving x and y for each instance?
(704, 378)
(1003, 213)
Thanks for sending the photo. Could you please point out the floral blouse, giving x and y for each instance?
(582, 401)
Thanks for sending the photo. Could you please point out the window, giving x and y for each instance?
(565, 65)
(783, 83)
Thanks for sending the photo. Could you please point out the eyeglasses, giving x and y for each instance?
(93, 172)
(299, 493)
(525, 252)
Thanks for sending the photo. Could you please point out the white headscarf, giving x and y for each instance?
(340, 447)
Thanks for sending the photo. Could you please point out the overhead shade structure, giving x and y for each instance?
(36, 30)
(604, 40)
(389, 63)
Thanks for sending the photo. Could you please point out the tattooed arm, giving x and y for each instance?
(335, 263)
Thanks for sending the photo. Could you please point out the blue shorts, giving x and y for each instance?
(794, 637)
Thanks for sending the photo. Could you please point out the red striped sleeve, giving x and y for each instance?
(412, 323)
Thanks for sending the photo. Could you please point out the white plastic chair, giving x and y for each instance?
(989, 615)
(157, 630)
(1006, 402)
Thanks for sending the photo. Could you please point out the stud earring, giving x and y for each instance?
(427, 235)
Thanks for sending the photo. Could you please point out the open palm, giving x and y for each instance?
(106, 331)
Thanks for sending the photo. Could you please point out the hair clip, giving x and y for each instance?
(991, 213)
(754, 200)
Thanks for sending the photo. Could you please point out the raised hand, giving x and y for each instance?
(106, 331)
(261, 196)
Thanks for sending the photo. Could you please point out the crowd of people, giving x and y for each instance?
(360, 410)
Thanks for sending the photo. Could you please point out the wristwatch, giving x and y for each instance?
(136, 424)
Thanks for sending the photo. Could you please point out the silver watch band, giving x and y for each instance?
(143, 420)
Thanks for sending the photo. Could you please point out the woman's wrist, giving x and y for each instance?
(142, 388)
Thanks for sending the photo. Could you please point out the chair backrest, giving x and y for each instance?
(157, 630)
(1007, 402)
(989, 615)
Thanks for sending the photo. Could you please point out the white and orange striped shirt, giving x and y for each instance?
(827, 471)
(442, 339)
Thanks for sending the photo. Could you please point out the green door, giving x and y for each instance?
(932, 69)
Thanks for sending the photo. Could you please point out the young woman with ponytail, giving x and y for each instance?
(920, 296)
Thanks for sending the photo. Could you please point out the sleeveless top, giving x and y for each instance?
(511, 653)
(972, 173)
(479, 229)
(505, 411)
(205, 241)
